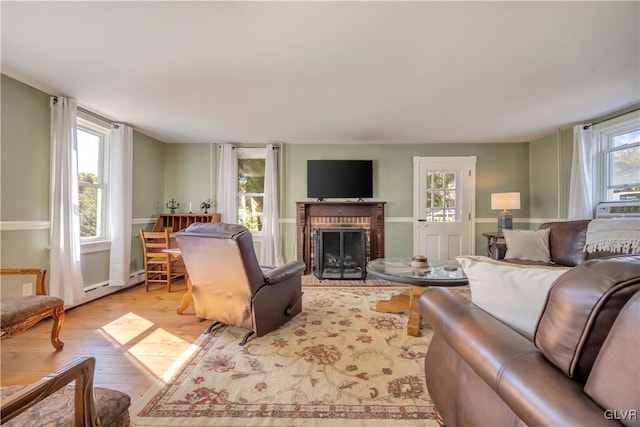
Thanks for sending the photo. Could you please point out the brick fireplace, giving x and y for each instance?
(311, 216)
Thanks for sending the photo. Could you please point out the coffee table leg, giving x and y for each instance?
(405, 301)
(415, 319)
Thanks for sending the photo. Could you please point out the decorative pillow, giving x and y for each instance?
(527, 245)
(514, 294)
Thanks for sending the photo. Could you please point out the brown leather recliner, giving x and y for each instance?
(228, 284)
(581, 370)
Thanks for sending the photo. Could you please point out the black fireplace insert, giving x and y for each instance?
(340, 253)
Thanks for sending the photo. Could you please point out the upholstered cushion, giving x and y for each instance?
(527, 245)
(567, 241)
(17, 309)
(512, 293)
(619, 388)
(58, 409)
(580, 309)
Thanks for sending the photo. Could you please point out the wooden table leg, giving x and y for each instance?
(396, 304)
(187, 298)
(415, 319)
(405, 301)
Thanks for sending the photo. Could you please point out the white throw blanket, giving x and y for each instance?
(615, 235)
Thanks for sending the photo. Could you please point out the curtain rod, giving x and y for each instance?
(276, 146)
(97, 116)
(610, 118)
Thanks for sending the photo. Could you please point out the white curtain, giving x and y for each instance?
(270, 249)
(120, 202)
(228, 184)
(65, 271)
(582, 170)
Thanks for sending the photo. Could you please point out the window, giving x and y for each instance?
(619, 162)
(251, 168)
(441, 196)
(92, 140)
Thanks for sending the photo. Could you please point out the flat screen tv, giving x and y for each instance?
(339, 179)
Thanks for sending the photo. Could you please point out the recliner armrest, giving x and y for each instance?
(284, 272)
(535, 390)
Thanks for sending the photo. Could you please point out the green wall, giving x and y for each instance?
(499, 168)
(24, 183)
(539, 170)
(550, 160)
(190, 171)
(24, 179)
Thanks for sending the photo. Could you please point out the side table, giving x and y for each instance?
(492, 237)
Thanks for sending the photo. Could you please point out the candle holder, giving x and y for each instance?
(172, 205)
(206, 205)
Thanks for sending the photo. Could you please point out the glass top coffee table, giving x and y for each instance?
(399, 270)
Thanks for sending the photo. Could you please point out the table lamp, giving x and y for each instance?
(505, 201)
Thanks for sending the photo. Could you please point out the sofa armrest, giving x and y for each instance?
(284, 272)
(535, 390)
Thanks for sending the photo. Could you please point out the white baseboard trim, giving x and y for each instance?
(102, 289)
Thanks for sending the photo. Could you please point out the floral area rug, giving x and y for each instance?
(338, 363)
(311, 280)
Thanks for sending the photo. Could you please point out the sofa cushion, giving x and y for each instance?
(580, 309)
(567, 240)
(619, 389)
(527, 245)
(512, 293)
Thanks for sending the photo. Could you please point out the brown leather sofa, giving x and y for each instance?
(583, 368)
(566, 244)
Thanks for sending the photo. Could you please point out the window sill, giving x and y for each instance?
(91, 247)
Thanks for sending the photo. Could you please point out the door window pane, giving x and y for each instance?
(441, 196)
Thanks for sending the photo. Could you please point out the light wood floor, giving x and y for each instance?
(133, 334)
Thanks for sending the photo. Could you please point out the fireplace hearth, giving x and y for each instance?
(340, 253)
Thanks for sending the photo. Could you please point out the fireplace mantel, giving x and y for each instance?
(305, 211)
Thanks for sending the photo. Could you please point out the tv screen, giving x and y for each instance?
(339, 179)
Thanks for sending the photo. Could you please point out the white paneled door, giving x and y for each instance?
(444, 206)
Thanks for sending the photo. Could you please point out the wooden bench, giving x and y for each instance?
(20, 313)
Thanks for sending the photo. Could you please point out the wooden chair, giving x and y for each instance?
(20, 313)
(159, 267)
(54, 401)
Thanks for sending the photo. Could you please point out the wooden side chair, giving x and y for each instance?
(54, 401)
(159, 267)
(17, 314)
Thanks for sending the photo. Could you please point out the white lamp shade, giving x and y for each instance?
(505, 201)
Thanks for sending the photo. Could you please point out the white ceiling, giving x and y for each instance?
(331, 72)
